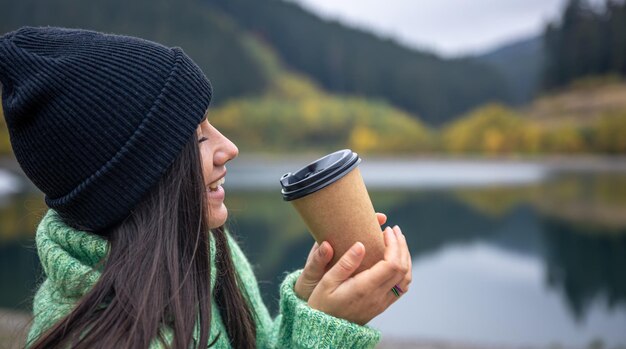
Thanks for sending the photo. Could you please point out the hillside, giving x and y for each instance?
(295, 115)
(351, 61)
(588, 116)
(229, 56)
(244, 46)
(581, 104)
(231, 39)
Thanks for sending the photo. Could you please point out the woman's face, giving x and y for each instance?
(215, 151)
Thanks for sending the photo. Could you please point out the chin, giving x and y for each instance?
(218, 217)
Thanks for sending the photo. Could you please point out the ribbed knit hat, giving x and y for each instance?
(95, 119)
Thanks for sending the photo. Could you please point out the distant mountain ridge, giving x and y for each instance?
(520, 63)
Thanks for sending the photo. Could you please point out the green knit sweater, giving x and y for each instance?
(68, 257)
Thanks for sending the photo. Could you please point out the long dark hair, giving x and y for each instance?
(157, 274)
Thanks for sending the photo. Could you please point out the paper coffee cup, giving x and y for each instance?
(330, 196)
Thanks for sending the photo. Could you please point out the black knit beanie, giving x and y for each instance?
(95, 119)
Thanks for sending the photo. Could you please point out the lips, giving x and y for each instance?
(221, 180)
(214, 185)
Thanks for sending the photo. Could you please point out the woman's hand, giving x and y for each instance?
(317, 265)
(362, 297)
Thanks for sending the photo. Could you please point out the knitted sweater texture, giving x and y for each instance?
(68, 257)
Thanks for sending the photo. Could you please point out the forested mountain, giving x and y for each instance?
(521, 65)
(585, 41)
(287, 79)
(227, 54)
(232, 39)
(352, 61)
(244, 46)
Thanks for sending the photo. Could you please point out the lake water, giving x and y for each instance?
(504, 253)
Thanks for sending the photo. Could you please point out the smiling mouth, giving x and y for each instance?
(213, 186)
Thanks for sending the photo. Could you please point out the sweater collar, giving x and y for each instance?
(69, 256)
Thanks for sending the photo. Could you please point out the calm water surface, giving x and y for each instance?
(503, 253)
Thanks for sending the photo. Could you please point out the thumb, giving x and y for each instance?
(316, 265)
(346, 265)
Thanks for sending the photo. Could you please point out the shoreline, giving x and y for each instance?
(554, 161)
(559, 161)
(262, 171)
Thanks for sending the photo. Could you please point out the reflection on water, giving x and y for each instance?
(482, 293)
(533, 261)
(585, 268)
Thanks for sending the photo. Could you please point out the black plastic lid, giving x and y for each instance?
(318, 174)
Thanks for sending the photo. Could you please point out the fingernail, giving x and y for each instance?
(396, 230)
(322, 250)
(356, 249)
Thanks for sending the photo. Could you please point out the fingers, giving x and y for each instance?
(392, 249)
(403, 248)
(360, 297)
(406, 257)
(345, 266)
(314, 269)
(312, 252)
(392, 269)
(409, 260)
(381, 217)
(385, 270)
(316, 264)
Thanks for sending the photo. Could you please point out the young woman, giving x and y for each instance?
(114, 131)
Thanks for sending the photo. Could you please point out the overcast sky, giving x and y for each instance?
(448, 27)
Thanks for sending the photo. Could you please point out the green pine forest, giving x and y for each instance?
(286, 80)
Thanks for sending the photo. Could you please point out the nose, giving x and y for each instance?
(225, 152)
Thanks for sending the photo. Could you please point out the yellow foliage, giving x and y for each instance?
(363, 139)
(495, 129)
(492, 129)
(609, 133)
(493, 141)
(295, 114)
(565, 139)
(596, 201)
(532, 138)
(308, 119)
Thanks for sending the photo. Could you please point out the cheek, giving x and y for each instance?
(206, 171)
(207, 164)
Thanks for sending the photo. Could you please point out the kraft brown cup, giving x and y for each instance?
(330, 196)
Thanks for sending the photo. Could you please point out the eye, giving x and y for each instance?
(202, 139)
